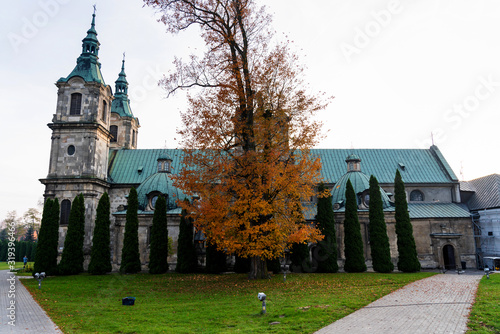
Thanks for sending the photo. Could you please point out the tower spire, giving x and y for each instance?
(121, 84)
(87, 65)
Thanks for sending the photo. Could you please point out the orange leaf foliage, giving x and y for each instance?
(247, 134)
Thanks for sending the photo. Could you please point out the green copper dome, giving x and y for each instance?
(360, 182)
(156, 184)
(352, 157)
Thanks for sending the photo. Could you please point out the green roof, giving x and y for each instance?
(135, 166)
(437, 210)
(420, 165)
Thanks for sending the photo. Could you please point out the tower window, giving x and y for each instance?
(71, 150)
(76, 104)
(65, 209)
(416, 196)
(104, 111)
(114, 133)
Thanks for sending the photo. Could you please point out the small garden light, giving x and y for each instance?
(262, 298)
(487, 272)
(40, 277)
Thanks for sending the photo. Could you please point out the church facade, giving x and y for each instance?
(94, 150)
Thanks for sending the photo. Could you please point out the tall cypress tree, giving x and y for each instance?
(100, 255)
(326, 255)
(159, 239)
(72, 256)
(131, 261)
(299, 256)
(354, 258)
(408, 258)
(379, 241)
(33, 251)
(46, 255)
(216, 260)
(187, 261)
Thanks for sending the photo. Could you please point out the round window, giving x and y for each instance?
(71, 150)
(366, 199)
(153, 201)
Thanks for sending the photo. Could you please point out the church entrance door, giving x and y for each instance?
(449, 257)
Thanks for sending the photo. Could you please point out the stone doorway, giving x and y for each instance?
(449, 257)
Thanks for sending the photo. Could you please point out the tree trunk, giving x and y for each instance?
(258, 268)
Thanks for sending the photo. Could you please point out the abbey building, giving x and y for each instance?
(94, 150)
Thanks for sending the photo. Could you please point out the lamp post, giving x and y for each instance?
(262, 298)
(40, 277)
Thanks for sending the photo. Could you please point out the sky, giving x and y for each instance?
(399, 71)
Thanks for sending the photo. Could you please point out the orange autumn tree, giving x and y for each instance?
(246, 133)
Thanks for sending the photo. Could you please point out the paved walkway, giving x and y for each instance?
(24, 312)
(438, 304)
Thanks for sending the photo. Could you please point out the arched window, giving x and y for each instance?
(65, 209)
(104, 111)
(114, 133)
(76, 104)
(416, 196)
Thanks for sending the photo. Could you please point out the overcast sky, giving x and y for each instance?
(399, 71)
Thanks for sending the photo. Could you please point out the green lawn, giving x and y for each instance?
(175, 303)
(485, 314)
(4, 265)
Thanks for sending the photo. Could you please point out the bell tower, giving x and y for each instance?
(80, 136)
(123, 125)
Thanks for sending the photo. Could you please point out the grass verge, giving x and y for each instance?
(484, 317)
(176, 303)
(5, 265)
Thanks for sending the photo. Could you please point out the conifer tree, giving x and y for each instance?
(379, 241)
(18, 250)
(159, 239)
(408, 258)
(354, 258)
(100, 255)
(72, 256)
(326, 255)
(46, 255)
(33, 251)
(131, 262)
(299, 256)
(216, 260)
(241, 265)
(3, 250)
(186, 253)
